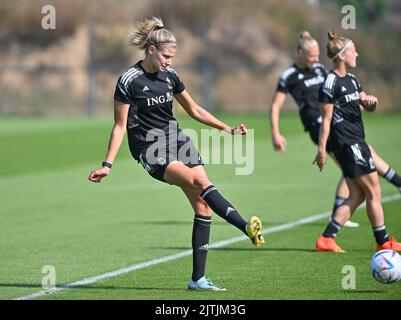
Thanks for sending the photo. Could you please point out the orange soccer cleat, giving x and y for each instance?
(327, 244)
(392, 244)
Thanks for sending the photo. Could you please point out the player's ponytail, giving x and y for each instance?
(150, 31)
(306, 41)
(336, 45)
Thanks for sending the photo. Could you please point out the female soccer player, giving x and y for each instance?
(143, 103)
(341, 97)
(303, 81)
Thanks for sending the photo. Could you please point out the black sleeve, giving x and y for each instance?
(178, 85)
(283, 83)
(121, 92)
(282, 87)
(324, 97)
(327, 90)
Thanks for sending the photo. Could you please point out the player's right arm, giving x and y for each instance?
(278, 140)
(326, 110)
(115, 140)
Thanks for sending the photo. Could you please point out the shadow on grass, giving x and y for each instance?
(39, 286)
(363, 291)
(20, 285)
(216, 221)
(128, 288)
(240, 249)
(175, 223)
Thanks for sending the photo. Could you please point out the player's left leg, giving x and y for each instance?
(384, 169)
(195, 179)
(369, 183)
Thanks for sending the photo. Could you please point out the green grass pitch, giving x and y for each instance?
(51, 215)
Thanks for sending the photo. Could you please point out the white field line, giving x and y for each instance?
(185, 253)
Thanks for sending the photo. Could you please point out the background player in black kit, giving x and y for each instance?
(143, 103)
(341, 98)
(303, 81)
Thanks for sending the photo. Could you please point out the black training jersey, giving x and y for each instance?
(304, 85)
(343, 93)
(150, 96)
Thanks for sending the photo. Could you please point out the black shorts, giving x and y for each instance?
(314, 135)
(355, 159)
(155, 158)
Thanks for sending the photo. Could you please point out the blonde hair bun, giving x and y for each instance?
(150, 31)
(305, 35)
(331, 35)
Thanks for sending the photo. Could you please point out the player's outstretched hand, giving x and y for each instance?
(279, 143)
(320, 160)
(98, 174)
(240, 129)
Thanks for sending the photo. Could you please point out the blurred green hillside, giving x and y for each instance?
(231, 52)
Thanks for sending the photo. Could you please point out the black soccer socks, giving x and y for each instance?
(393, 177)
(332, 229)
(381, 234)
(223, 208)
(200, 245)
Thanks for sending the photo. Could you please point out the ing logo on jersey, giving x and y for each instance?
(160, 99)
(352, 96)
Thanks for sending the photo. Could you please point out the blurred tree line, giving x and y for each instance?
(231, 52)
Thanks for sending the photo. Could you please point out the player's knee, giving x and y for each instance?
(199, 182)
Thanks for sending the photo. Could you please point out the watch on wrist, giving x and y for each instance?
(106, 164)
